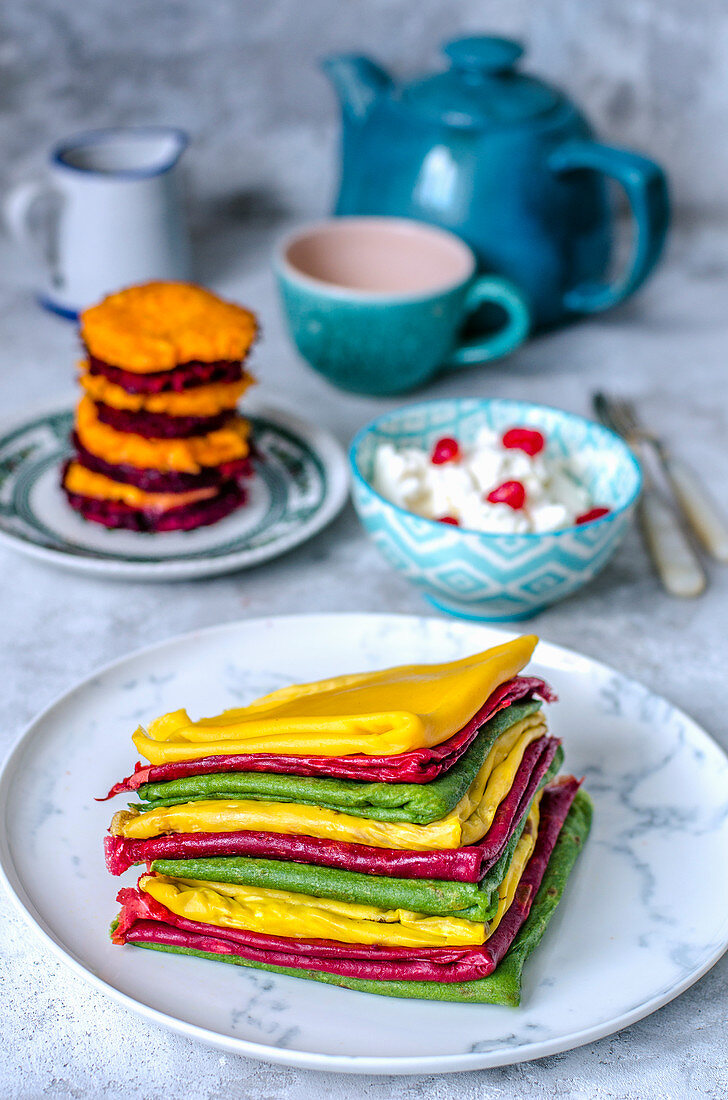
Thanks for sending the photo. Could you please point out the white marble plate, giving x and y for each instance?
(644, 915)
(300, 484)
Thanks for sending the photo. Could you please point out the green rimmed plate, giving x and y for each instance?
(300, 485)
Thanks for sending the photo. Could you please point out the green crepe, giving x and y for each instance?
(436, 897)
(503, 986)
(416, 803)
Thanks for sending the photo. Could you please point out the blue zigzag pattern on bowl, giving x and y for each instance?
(496, 576)
(460, 566)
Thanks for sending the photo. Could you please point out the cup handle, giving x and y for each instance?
(16, 206)
(645, 186)
(492, 289)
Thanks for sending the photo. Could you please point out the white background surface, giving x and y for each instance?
(667, 347)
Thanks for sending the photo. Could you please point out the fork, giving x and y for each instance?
(673, 556)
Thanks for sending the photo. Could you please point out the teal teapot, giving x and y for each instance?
(508, 163)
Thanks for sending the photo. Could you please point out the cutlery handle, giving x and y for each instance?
(700, 510)
(674, 559)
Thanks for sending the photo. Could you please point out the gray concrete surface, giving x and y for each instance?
(241, 77)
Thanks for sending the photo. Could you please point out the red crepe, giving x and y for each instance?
(467, 864)
(160, 425)
(143, 920)
(416, 766)
(184, 376)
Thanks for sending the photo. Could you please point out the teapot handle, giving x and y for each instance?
(494, 290)
(645, 186)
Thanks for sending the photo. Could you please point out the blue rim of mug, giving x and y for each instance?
(66, 312)
(95, 137)
(373, 425)
(285, 269)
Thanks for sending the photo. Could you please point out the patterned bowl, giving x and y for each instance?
(495, 577)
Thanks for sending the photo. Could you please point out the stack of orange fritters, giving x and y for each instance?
(159, 443)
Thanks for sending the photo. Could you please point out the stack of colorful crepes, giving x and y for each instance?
(396, 832)
(159, 444)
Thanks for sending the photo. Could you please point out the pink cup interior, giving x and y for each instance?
(380, 256)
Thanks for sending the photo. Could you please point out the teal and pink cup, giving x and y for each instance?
(379, 305)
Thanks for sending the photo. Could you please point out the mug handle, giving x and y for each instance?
(496, 291)
(645, 186)
(16, 206)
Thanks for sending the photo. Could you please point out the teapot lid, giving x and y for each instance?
(482, 87)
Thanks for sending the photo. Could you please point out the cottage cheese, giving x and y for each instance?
(456, 490)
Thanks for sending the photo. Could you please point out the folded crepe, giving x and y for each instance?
(488, 971)
(387, 831)
(513, 730)
(540, 762)
(468, 901)
(469, 798)
(418, 766)
(334, 905)
(375, 713)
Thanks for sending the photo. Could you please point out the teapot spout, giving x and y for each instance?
(358, 81)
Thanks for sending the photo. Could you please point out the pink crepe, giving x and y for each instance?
(416, 766)
(467, 864)
(143, 920)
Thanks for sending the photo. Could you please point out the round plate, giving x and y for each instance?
(299, 486)
(645, 912)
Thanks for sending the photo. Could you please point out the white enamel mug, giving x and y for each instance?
(113, 214)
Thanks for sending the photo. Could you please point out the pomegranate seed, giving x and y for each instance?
(445, 450)
(593, 513)
(524, 439)
(449, 519)
(511, 493)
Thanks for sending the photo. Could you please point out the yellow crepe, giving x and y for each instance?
(376, 713)
(300, 916)
(465, 824)
(282, 913)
